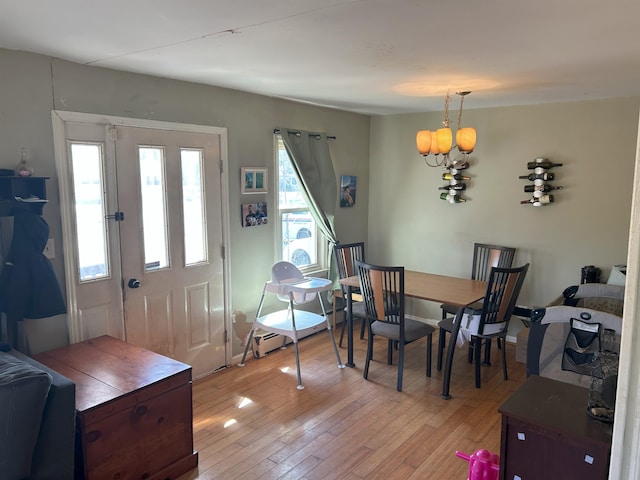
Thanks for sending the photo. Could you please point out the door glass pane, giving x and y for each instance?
(154, 207)
(91, 228)
(195, 239)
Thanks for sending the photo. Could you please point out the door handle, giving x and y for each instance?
(133, 283)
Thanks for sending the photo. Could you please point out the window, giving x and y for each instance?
(89, 208)
(299, 240)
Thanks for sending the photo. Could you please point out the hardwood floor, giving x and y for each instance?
(252, 423)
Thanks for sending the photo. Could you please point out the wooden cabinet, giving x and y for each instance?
(546, 433)
(133, 410)
(22, 192)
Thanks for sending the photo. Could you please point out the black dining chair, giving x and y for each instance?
(503, 288)
(485, 257)
(382, 290)
(346, 255)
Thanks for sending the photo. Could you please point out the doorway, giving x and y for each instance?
(145, 224)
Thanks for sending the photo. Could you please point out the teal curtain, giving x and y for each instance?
(311, 159)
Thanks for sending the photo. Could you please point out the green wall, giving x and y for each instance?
(587, 225)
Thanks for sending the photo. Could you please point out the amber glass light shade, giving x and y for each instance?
(434, 143)
(445, 140)
(466, 139)
(423, 141)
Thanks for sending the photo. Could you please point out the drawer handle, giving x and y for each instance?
(93, 435)
(141, 410)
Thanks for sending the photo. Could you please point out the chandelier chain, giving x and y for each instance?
(447, 100)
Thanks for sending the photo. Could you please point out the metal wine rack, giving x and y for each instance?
(540, 189)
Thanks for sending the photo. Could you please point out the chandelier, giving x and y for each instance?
(440, 141)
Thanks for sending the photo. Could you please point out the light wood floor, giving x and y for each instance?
(252, 423)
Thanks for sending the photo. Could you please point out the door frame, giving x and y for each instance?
(59, 118)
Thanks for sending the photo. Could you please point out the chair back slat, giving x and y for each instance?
(503, 289)
(486, 257)
(346, 255)
(382, 289)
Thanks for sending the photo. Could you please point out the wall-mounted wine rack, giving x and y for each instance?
(540, 176)
(456, 186)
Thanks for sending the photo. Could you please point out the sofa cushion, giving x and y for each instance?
(23, 394)
(53, 455)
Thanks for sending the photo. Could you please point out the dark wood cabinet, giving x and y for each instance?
(546, 433)
(22, 192)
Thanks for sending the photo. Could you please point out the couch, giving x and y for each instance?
(37, 420)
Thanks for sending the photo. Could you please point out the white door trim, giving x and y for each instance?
(60, 147)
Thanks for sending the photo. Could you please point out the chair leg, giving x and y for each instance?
(362, 330)
(300, 387)
(390, 352)
(477, 347)
(343, 328)
(429, 353)
(487, 353)
(504, 361)
(400, 365)
(335, 347)
(471, 353)
(441, 340)
(365, 372)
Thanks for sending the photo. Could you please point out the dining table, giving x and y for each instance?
(460, 292)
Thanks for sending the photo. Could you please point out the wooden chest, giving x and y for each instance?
(134, 410)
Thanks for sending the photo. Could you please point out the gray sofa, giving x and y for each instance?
(37, 420)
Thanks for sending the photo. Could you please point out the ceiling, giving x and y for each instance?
(366, 56)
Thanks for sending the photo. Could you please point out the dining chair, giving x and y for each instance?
(382, 290)
(345, 256)
(503, 289)
(485, 257)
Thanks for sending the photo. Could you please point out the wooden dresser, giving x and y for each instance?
(546, 433)
(134, 410)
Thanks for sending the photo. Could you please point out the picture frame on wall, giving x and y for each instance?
(254, 214)
(253, 180)
(348, 190)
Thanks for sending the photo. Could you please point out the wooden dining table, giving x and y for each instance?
(460, 292)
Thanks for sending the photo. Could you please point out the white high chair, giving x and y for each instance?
(290, 285)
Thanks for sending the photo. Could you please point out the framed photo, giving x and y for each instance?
(347, 190)
(254, 214)
(253, 180)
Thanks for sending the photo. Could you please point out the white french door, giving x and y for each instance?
(144, 229)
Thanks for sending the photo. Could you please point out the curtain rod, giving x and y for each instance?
(316, 135)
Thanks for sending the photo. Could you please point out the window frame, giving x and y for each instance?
(320, 243)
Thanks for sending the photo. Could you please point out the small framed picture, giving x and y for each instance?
(347, 190)
(254, 214)
(253, 180)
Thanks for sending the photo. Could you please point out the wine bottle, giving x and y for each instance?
(538, 201)
(542, 163)
(452, 198)
(457, 176)
(538, 176)
(456, 186)
(545, 187)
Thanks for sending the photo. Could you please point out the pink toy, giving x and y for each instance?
(483, 465)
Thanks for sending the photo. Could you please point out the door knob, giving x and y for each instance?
(133, 283)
